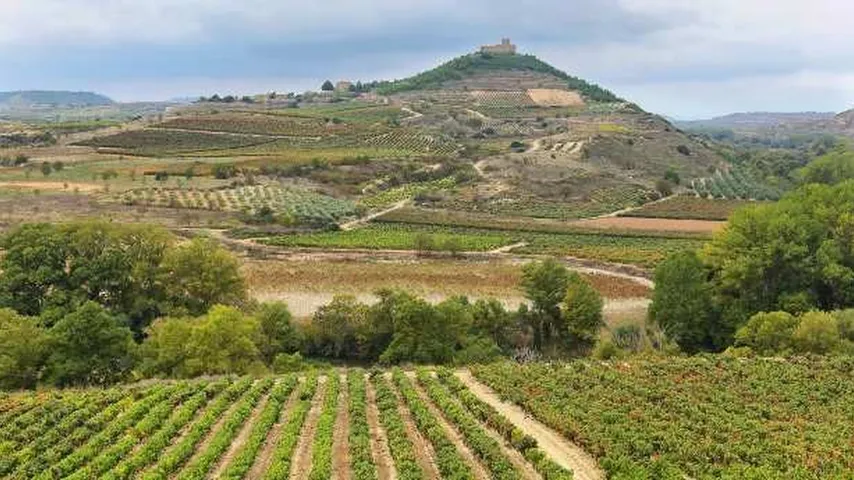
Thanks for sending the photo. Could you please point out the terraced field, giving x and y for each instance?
(156, 142)
(337, 425)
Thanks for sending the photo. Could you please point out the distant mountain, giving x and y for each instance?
(34, 98)
(753, 120)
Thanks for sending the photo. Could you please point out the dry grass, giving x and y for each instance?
(548, 97)
(427, 277)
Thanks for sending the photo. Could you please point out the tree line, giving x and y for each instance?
(761, 285)
(95, 303)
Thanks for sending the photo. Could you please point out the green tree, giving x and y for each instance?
(545, 284)
(225, 342)
(89, 347)
(167, 348)
(23, 347)
(334, 328)
(817, 332)
(582, 310)
(327, 86)
(768, 333)
(46, 168)
(278, 334)
(32, 271)
(199, 274)
(422, 333)
(682, 304)
(830, 169)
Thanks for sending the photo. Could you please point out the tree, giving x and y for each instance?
(817, 332)
(225, 342)
(830, 169)
(582, 310)
(278, 334)
(46, 168)
(197, 275)
(545, 284)
(768, 333)
(682, 304)
(32, 271)
(23, 347)
(664, 187)
(422, 333)
(89, 347)
(424, 243)
(334, 328)
(327, 86)
(167, 348)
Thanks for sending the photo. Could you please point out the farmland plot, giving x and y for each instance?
(154, 142)
(317, 427)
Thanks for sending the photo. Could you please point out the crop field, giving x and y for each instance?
(456, 218)
(643, 251)
(414, 142)
(702, 417)
(296, 203)
(396, 237)
(405, 192)
(494, 98)
(334, 425)
(689, 207)
(257, 124)
(156, 142)
(735, 185)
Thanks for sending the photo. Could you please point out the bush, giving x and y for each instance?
(768, 333)
(223, 171)
(817, 332)
(23, 346)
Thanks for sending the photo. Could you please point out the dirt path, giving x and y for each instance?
(379, 443)
(55, 186)
(265, 456)
(480, 472)
(423, 449)
(632, 209)
(340, 439)
(413, 113)
(508, 248)
(240, 440)
(476, 114)
(361, 221)
(559, 449)
(301, 465)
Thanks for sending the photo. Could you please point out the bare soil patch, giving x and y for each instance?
(652, 224)
(559, 449)
(548, 97)
(54, 186)
(379, 443)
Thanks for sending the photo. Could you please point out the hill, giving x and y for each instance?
(33, 98)
(751, 120)
(480, 67)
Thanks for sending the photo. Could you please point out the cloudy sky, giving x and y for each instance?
(683, 58)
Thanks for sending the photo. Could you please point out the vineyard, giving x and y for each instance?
(397, 237)
(340, 426)
(414, 142)
(690, 208)
(257, 124)
(735, 184)
(641, 250)
(156, 142)
(405, 192)
(288, 204)
(701, 418)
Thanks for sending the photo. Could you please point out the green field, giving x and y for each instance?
(702, 418)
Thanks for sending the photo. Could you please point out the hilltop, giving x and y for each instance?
(33, 98)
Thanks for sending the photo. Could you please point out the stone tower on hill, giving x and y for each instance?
(504, 48)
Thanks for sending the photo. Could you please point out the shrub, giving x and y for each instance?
(817, 332)
(768, 333)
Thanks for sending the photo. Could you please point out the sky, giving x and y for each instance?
(686, 59)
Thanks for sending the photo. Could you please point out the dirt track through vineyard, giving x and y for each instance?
(559, 449)
(340, 441)
(452, 433)
(379, 443)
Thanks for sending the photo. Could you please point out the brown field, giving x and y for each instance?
(54, 186)
(547, 97)
(306, 285)
(652, 224)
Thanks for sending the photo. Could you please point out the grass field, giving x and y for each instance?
(319, 427)
(702, 418)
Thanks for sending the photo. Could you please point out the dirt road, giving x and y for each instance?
(559, 449)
